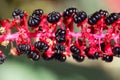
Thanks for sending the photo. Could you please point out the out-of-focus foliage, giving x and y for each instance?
(21, 68)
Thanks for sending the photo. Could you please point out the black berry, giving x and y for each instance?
(78, 58)
(75, 50)
(18, 14)
(103, 12)
(60, 57)
(41, 46)
(111, 18)
(37, 12)
(60, 35)
(33, 55)
(23, 48)
(107, 58)
(34, 21)
(116, 51)
(2, 58)
(69, 11)
(53, 17)
(94, 18)
(79, 17)
(59, 48)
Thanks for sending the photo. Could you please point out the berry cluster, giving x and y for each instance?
(52, 36)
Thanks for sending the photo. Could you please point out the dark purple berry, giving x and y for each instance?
(53, 17)
(60, 35)
(107, 58)
(37, 12)
(75, 50)
(34, 21)
(94, 18)
(116, 51)
(59, 48)
(112, 18)
(23, 48)
(41, 46)
(69, 11)
(78, 58)
(33, 55)
(2, 58)
(18, 14)
(79, 17)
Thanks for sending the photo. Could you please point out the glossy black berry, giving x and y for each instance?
(41, 46)
(94, 18)
(53, 17)
(116, 51)
(60, 57)
(107, 58)
(33, 55)
(111, 18)
(33, 21)
(79, 17)
(23, 48)
(37, 12)
(103, 12)
(18, 14)
(60, 35)
(59, 48)
(2, 58)
(96, 55)
(75, 50)
(69, 11)
(78, 58)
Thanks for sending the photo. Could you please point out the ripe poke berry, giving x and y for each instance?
(37, 12)
(33, 55)
(33, 21)
(2, 58)
(103, 12)
(41, 46)
(18, 14)
(23, 48)
(96, 55)
(59, 48)
(69, 11)
(60, 35)
(107, 58)
(60, 57)
(79, 17)
(78, 58)
(116, 51)
(112, 18)
(53, 17)
(75, 50)
(94, 18)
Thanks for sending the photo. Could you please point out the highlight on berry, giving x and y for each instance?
(55, 38)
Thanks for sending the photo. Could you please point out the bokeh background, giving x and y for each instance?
(21, 68)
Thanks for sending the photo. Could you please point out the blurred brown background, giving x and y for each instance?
(21, 68)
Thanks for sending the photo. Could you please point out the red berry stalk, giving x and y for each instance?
(55, 37)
